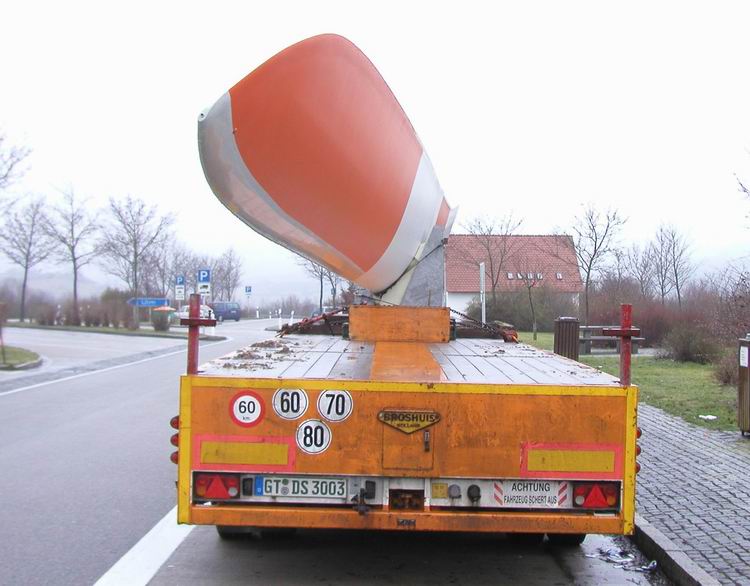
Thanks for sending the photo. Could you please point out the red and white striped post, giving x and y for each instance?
(625, 332)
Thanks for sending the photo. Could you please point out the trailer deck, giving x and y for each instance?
(465, 360)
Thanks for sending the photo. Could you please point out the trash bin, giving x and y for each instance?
(566, 337)
(743, 386)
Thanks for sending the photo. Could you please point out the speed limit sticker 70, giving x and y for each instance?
(246, 408)
(335, 405)
(313, 436)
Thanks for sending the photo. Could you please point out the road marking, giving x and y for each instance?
(144, 559)
(74, 376)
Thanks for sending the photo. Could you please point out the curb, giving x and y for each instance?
(23, 365)
(672, 560)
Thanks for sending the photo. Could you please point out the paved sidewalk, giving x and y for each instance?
(694, 486)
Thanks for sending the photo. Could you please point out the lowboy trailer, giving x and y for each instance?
(400, 427)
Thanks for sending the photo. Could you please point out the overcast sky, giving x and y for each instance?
(533, 107)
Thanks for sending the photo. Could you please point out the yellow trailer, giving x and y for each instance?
(400, 427)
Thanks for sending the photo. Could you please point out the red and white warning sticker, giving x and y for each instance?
(247, 408)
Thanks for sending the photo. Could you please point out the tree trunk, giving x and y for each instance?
(533, 314)
(136, 309)
(23, 292)
(586, 303)
(76, 315)
(321, 292)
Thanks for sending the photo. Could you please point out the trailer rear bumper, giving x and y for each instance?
(336, 518)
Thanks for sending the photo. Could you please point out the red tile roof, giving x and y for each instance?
(540, 255)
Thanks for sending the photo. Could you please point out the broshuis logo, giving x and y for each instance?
(408, 421)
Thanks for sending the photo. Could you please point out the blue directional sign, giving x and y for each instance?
(204, 276)
(179, 280)
(148, 301)
(248, 289)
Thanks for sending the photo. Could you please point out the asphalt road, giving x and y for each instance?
(86, 475)
(62, 350)
(85, 461)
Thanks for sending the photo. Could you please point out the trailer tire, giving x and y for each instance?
(526, 539)
(230, 532)
(566, 539)
(277, 533)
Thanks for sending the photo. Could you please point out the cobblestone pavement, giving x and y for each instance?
(694, 486)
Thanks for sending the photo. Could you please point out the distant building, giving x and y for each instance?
(544, 261)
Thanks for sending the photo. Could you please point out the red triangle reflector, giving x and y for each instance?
(217, 490)
(595, 499)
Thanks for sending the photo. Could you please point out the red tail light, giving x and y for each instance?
(596, 495)
(217, 486)
(175, 422)
(638, 432)
(175, 457)
(637, 467)
(175, 439)
(637, 450)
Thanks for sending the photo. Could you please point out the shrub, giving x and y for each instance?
(160, 321)
(726, 369)
(45, 315)
(691, 343)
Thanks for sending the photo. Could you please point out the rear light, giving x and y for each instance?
(216, 486)
(596, 495)
(637, 467)
(175, 457)
(175, 422)
(637, 450)
(175, 439)
(638, 432)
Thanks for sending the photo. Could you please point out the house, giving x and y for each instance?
(513, 262)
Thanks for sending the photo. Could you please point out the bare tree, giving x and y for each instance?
(335, 280)
(680, 266)
(530, 279)
(640, 266)
(318, 272)
(25, 243)
(11, 162)
(73, 228)
(594, 234)
(322, 274)
(660, 254)
(228, 274)
(133, 229)
(492, 236)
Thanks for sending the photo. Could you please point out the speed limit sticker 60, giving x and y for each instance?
(313, 436)
(246, 408)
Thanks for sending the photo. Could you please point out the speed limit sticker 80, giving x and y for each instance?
(313, 436)
(246, 408)
(335, 405)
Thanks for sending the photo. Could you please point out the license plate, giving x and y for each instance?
(292, 486)
(533, 494)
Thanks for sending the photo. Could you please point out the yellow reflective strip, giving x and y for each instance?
(571, 461)
(410, 387)
(183, 466)
(628, 493)
(244, 453)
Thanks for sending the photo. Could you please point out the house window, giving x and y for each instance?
(520, 275)
(510, 275)
(559, 276)
(529, 276)
(539, 276)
